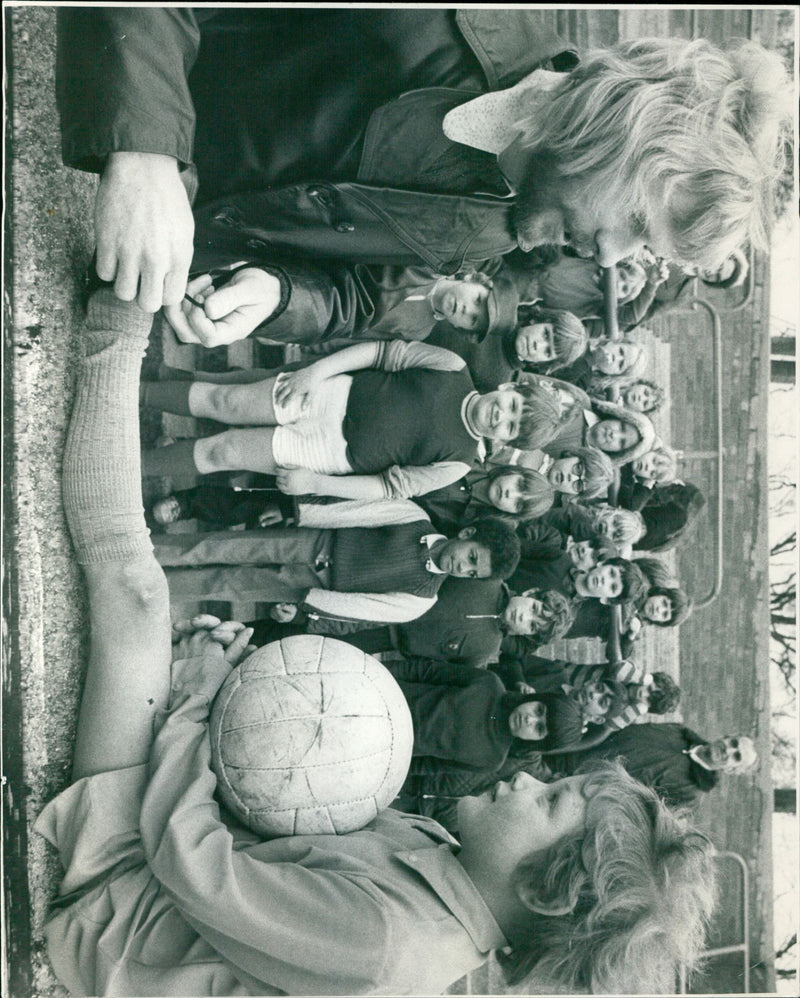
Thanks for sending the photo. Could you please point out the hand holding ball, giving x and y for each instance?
(309, 735)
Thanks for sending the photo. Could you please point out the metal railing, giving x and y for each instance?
(612, 330)
(744, 946)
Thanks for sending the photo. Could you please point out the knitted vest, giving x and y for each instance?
(383, 560)
(408, 418)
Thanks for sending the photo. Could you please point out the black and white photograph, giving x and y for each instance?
(399, 500)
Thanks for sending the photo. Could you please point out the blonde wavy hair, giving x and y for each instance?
(685, 125)
(640, 883)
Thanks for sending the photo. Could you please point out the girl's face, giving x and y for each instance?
(595, 699)
(630, 279)
(657, 609)
(647, 466)
(583, 555)
(615, 356)
(612, 435)
(640, 397)
(535, 343)
(567, 475)
(529, 721)
(505, 493)
(611, 526)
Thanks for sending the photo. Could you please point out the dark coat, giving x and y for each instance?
(656, 755)
(460, 715)
(463, 625)
(351, 158)
(490, 360)
(543, 564)
(669, 513)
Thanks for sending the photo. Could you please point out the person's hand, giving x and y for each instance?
(204, 652)
(229, 314)
(525, 688)
(144, 229)
(297, 386)
(284, 613)
(657, 272)
(270, 516)
(634, 628)
(297, 481)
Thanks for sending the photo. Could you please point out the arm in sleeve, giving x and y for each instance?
(279, 920)
(121, 82)
(383, 608)
(426, 670)
(402, 482)
(400, 355)
(358, 513)
(322, 303)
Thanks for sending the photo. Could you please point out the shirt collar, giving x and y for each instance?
(489, 122)
(448, 878)
(590, 418)
(430, 540)
(465, 418)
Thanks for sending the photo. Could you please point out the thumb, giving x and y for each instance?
(227, 300)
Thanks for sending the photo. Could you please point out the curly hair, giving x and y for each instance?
(659, 395)
(503, 543)
(680, 602)
(741, 267)
(561, 616)
(570, 336)
(537, 494)
(602, 382)
(473, 277)
(665, 694)
(638, 881)
(644, 429)
(683, 128)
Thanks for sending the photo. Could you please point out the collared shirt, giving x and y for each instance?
(195, 907)
(430, 540)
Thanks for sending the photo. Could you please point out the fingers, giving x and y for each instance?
(176, 317)
(269, 518)
(191, 624)
(237, 648)
(225, 633)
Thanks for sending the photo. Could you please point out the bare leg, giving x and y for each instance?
(236, 450)
(239, 405)
(128, 676)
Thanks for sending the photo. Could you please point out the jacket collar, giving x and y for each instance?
(508, 44)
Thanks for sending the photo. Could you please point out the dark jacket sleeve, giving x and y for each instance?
(632, 495)
(121, 82)
(425, 670)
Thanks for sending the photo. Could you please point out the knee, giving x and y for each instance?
(218, 453)
(231, 404)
